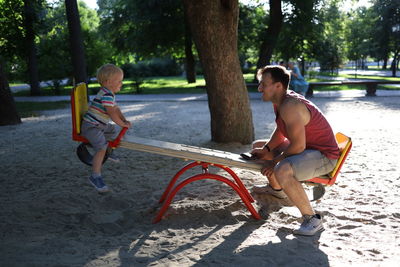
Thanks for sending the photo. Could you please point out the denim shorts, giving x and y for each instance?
(98, 134)
(309, 164)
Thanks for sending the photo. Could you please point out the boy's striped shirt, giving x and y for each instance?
(97, 109)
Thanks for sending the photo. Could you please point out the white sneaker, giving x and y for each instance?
(310, 226)
(267, 189)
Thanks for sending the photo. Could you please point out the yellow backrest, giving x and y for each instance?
(344, 143)
(81, 104)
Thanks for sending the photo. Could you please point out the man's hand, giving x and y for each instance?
(268, 168)
(262, 154)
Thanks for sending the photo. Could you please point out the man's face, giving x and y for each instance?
(267, 87)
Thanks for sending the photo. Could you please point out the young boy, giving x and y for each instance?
(95, 125)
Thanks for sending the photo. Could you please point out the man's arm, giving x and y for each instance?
(296, 116)
(276, 139)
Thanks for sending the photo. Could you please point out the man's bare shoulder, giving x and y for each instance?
(290, 104)
(293, 109)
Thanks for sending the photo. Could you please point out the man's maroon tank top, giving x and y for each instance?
(319, 134)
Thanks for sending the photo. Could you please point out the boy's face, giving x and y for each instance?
(114, 83)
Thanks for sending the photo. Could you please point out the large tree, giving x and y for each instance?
(11, 38)
(214, 25)
(8, 111)
(76, 41)
(30, 12)
(270, 37)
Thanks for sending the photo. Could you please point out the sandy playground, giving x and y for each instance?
(51, 216)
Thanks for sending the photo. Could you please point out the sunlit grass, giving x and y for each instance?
(370, 77)
(179, 85)
(164, 85)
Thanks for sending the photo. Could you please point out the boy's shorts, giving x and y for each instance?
(98, 134)
(309, 164)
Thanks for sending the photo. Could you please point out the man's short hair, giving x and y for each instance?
(106, 71)
(278, 74)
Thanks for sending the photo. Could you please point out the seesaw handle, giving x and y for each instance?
(117, 140)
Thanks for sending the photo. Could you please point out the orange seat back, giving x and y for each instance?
(345, 144)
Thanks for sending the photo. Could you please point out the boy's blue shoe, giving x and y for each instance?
(99, 184)
(113, 157)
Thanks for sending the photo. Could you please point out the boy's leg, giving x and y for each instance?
(98, 161)
(95, 135)
(111, 133)
(96, 179)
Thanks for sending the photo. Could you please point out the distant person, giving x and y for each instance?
(301, 147)
(95, 125)
(283, 64)
(297, 81)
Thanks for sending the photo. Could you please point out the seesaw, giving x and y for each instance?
(200, 157)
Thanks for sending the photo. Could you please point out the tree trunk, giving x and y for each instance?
(8, 110)
(31, 47)
(271, 34)
(76, 41)
(394, 64)
(190, 64)
(214, 27)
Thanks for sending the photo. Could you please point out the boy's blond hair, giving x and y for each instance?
(106, 71)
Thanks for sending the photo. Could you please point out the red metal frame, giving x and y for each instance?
(237, 185)
(79, 138)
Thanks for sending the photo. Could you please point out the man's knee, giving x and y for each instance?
(284, 173)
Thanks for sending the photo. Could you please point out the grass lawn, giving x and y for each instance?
(32, 109)
(178, 84)
(167, 85)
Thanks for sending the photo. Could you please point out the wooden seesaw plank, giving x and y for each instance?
(187, 152)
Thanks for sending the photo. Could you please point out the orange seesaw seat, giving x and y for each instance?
(345, 144)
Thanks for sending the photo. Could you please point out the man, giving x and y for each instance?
(301, 147)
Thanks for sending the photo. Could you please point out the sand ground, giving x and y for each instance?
(51, 216)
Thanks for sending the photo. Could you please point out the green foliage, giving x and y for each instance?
(386, 28)
(126, 31)
(358, 34)
(299, 30)
(54, 49)
(252, 21)
(12, 27)
(145, 29)
(12, 38)
(154, 67)
(13, 43)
